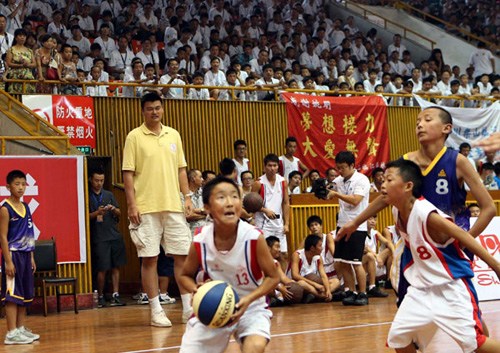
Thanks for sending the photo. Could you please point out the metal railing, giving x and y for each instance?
(4, 139)
(364, 13)
(274, 91)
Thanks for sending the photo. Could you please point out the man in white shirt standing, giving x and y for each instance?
(482, 61)
(353, 192)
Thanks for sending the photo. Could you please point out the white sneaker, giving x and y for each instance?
(186, 315)
(160, 319)
(28, 333)
(17, 337)
(166, 299)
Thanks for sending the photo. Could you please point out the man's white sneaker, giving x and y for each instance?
(160, 319)
(166, 300)
(17, 337)
(28, 333)
(186, 315)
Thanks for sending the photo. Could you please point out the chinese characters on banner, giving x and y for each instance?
(486, 281)
(55, 196)
(73, 115)
(325, 126)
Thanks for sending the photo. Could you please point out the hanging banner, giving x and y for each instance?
(56, 198)
(325, 126)
(486, 281)
(470, 125)
(72, 115)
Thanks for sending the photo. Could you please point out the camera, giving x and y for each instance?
(320, 188)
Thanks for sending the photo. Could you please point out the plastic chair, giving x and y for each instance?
(46, 268)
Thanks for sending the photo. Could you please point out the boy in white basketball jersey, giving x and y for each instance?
(273, 218)
(233, 251)
(441, 294)
(289, 163)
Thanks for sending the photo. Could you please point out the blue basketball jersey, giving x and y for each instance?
(20, 235)
(442, 190)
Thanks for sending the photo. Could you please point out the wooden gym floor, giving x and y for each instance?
(321, 327)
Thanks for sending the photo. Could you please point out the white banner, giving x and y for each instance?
(486, 281)
(470, 125)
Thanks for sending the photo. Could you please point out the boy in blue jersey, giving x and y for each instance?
(17, 240)
(439, 270)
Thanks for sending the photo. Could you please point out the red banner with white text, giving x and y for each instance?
(325, 126)
(56, 198)
(72, 115)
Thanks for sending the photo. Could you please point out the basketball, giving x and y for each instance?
(314, 277)
(252, 202)
(214, 302)
(297, 292)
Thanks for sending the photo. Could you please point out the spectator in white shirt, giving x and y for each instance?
(97, 90)
(358, 49)
(369, 85)
(111, 5)
(85, 21)
(397, 66)
(173, 78)
(107, 44)
(79, 41)
(484, 84)
(56, 26)
(215, 77)
(198, 93)
(396, 45)
(444, 85)
(267, 81)
(148, 56)
(309, 58)
(205, 62)
(258, 63)
(416, 80)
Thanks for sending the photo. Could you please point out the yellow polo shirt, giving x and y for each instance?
(155, 161)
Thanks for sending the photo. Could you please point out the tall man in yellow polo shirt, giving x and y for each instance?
(154, 170)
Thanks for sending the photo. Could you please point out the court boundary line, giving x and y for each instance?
(278, 335)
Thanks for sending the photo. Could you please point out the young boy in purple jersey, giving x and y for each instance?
(17, 240)
(441, 295)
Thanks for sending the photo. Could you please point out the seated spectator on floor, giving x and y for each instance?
(313, 176)
(307, 263)
(376, 263)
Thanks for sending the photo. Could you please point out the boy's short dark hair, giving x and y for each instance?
(376, 170)
(227, 166)
(314, 219)
(15, 174)
(464, 145)
(271, 157)
(239, 143)
(207, 189)
(245, 172)
(198, 74)
(294, 173)
(149, 97)
(314, 171)
(444, 115)
(473, 205)
(271, 240)
(487, 166)
(345, 157)
(409, 171)
(311, 240)
(205, 174)
(290, 139)
(99, 170)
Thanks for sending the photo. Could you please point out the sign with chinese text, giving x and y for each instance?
(73, 115)
(325, 126)
(56, 198)
(486, 281)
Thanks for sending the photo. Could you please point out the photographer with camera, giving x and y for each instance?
(353, 191)
(108, 247)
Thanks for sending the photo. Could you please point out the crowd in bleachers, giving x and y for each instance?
(273, 44)
(480, 18)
